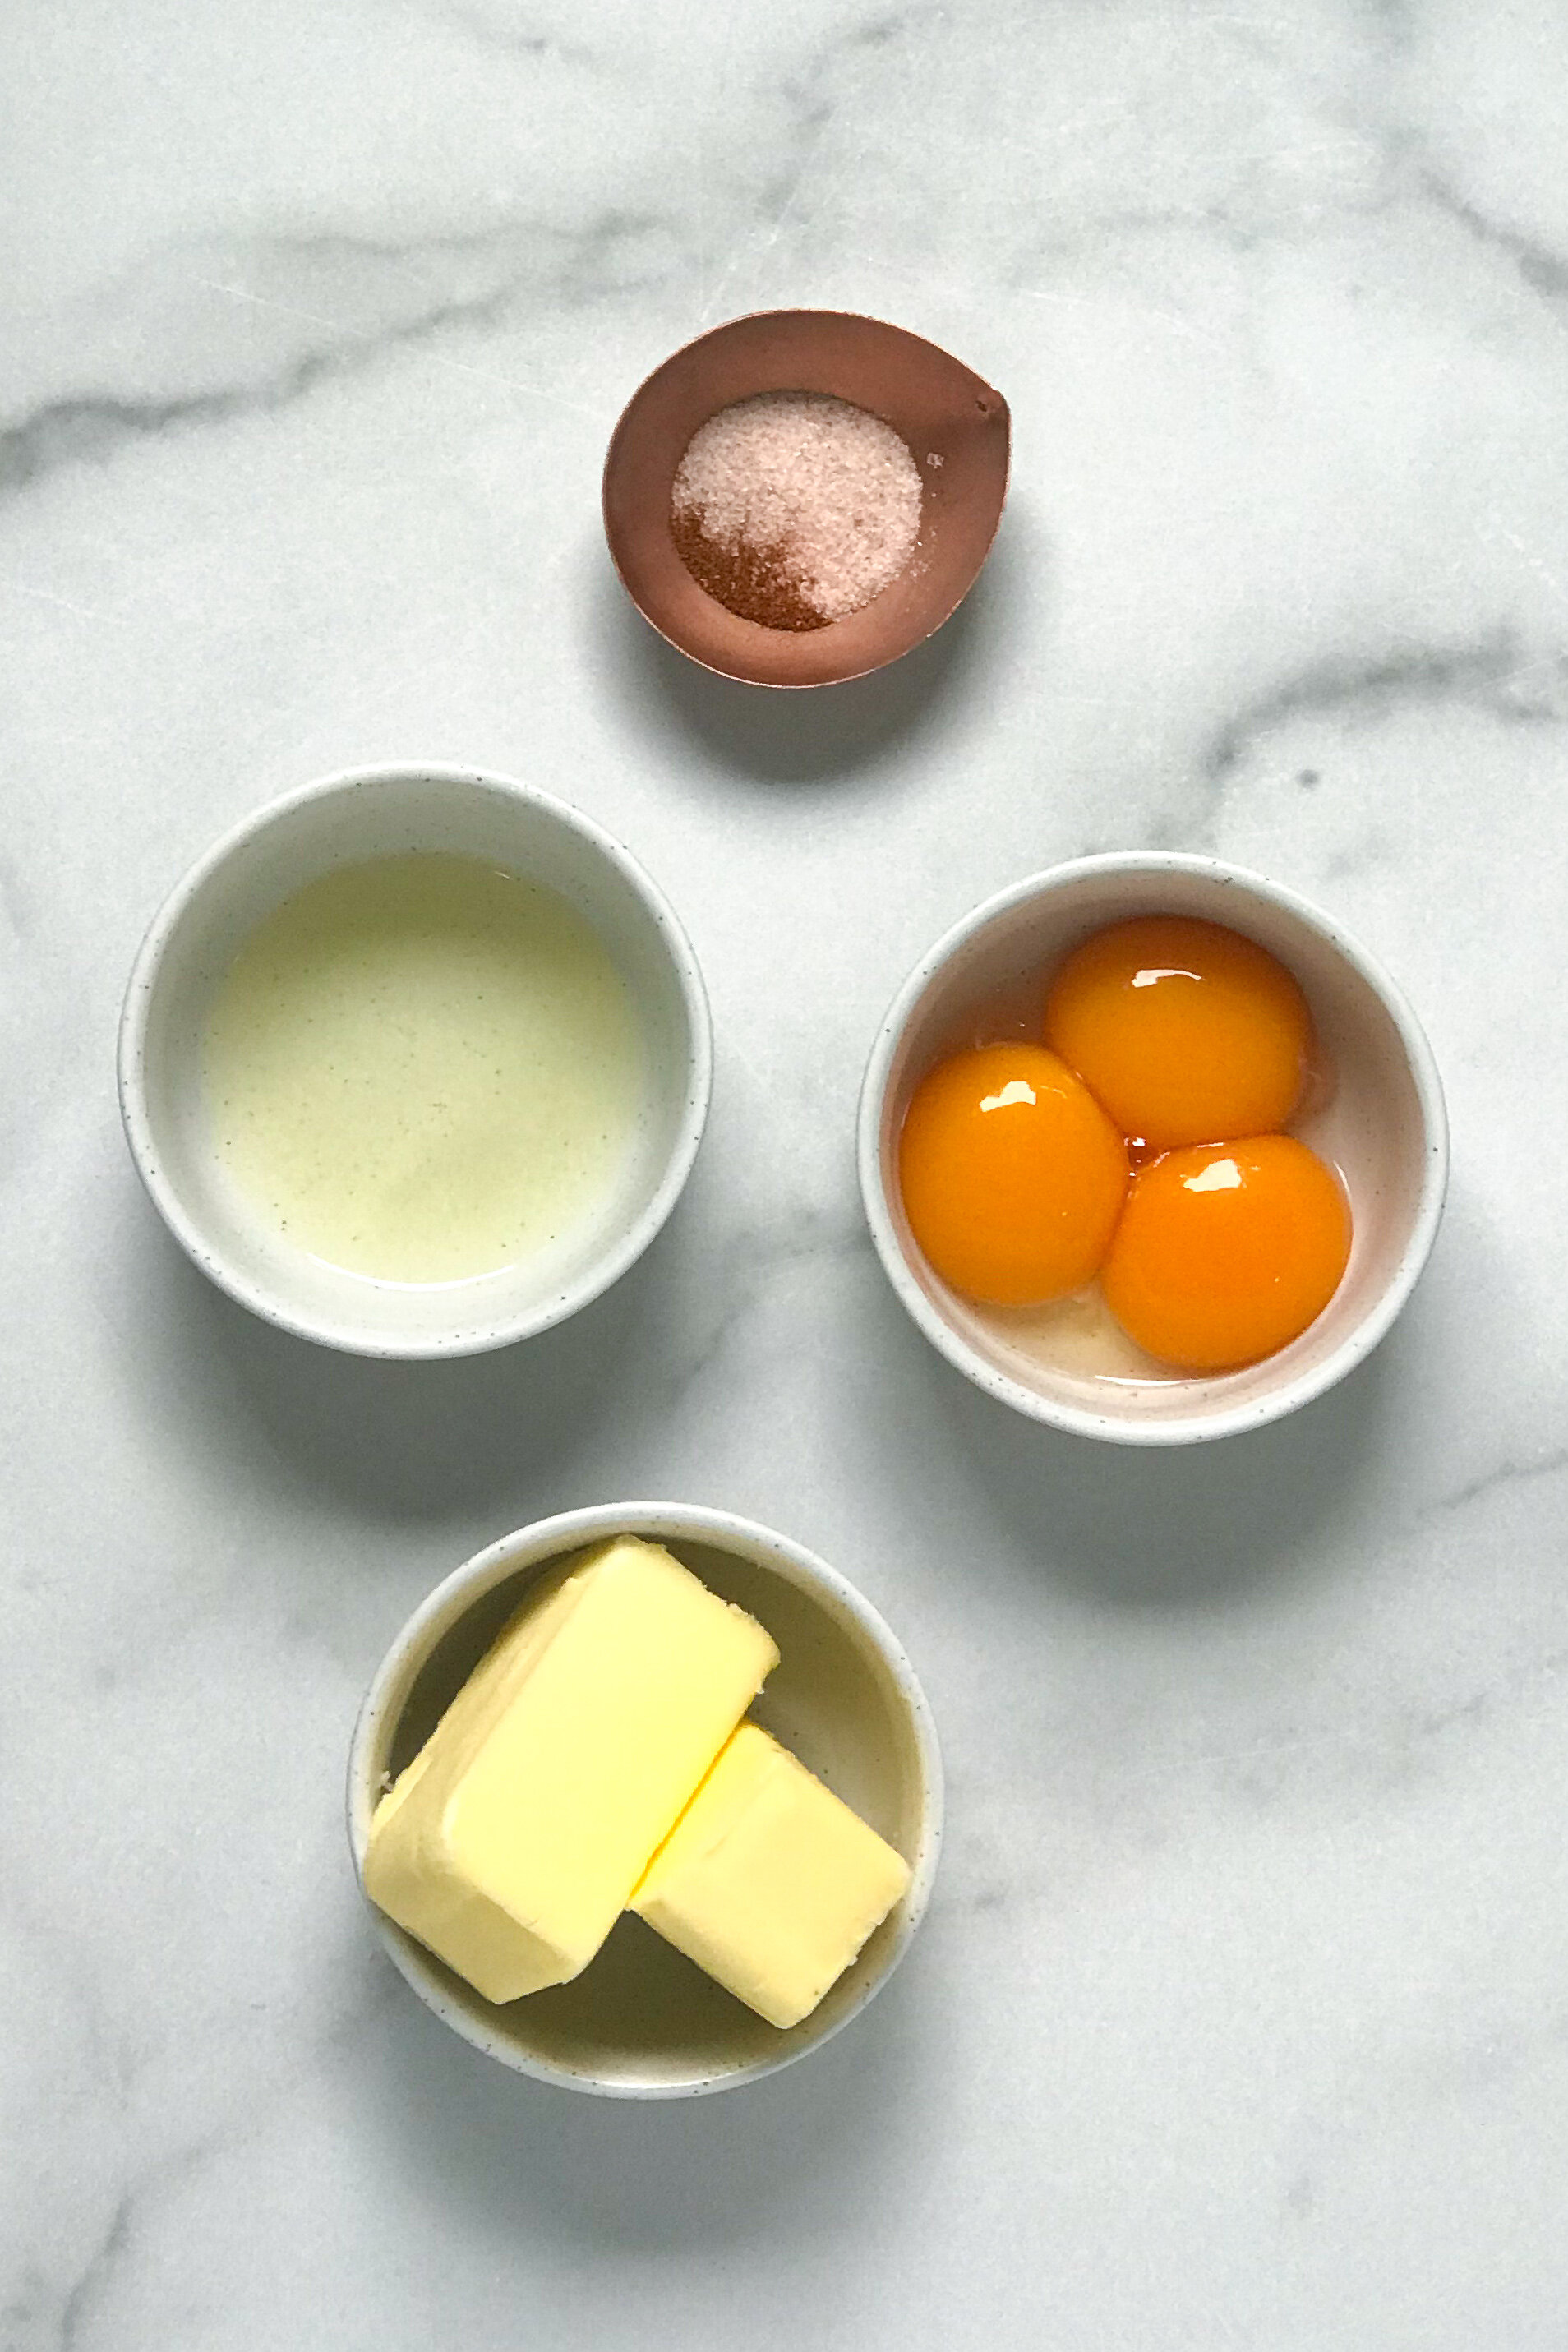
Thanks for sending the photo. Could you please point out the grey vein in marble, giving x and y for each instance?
(1238, 2014)
(570, 271)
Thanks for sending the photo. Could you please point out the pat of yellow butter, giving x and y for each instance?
(768, 1882)
(512, 1841)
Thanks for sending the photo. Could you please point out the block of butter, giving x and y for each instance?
(768, 1882)
(511, 1842)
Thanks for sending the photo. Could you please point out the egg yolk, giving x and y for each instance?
(1012, 1176)
(1185, 1030)
(1225, 1253)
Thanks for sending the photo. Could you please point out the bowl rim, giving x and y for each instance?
(1226, 1420)
(502, 1331)
(536, 1545)
(626, 421)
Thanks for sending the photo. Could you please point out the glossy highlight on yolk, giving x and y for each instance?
(1184, 1031)
(1227, 1251)
(1012, 1176)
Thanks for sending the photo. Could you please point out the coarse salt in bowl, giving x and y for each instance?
(953, 426)
(1381, 1124)
(830, 489)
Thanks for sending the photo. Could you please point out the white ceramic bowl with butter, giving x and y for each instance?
(642, 2022)
(1383, 1127)
(346, 820)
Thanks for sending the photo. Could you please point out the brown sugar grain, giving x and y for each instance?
(795, 508)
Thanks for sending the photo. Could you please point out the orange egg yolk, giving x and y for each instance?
(1186, 1031)
(1012, 1176)
(1225, 1253)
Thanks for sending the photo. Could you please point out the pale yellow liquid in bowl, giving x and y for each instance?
(424, 1068)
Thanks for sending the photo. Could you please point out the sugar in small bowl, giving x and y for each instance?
(1219, 1166)
(415, 1061)
(646, 2007)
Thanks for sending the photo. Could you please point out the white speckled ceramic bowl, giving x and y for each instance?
(642, 2022)
(380, 812)
(1385, 1128)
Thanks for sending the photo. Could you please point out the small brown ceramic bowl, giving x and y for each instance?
(956, 429)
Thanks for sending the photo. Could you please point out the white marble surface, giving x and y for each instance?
(1241, 2018)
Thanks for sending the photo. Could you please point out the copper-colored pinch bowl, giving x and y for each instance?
(953, 424)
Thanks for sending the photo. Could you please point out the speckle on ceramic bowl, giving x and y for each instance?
(642, 2022)
(341, 821)
(1383, 1126)
(954, 425)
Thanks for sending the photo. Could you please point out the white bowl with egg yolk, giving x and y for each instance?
(642, 2022)
(345, 821)
(1383, 1126)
